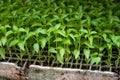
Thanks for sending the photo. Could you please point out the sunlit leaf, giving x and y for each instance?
(88, 44)
(2, 53)
(13, 42)
(21, 45)
(72, 36)
(76, 53)
(67, 50)
(83, 31)
(87, 53)
(8, 33)
(60, 55)
(101, 48)
(91, 40)
(15, 28)
(52, 50)
(104, 36)
(95, 60)
(95, 23)
(64, 15)
(62, 52)
(22, 30)
(109, 45)
(43, 42)
(30, 34)
(58, 40)
(36, 24)
(116, 40)
(3, 40)
(59, 58)
(36, 47)
(66, 41)
(40, 30)
(7, 26)
(93, 32)
(83, 21)
(57, 26)
(1, 43)
(61, 32)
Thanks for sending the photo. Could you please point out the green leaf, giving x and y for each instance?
(117, 63)
(7, 26)
(57, 26)
(80, 9)
(107, 31)
(64, 16)
(88, 20)
(36, 47)
(51, 29)
(21, 45)
(13, 42)
(95, 54)
(87, 53)
(116, 40)
(91, 40)
(88, 44)
(83, 21)
(101, 48)
(76, 53)
(15, 28)
(53, 19)
(58, 40)
(30, 34)
(62, 33)
(22, 30)
(67, 50)
(95, 23)
(93, 32)
(36, 24)
(2, 29)
(105, 36)
(71, 30)
(8, 33)
(3, 40)
(67, 41)
(40, 30)
(0, 43)
(82, 30)
(95, 60)
(2, 53)
(72, 36)
(108, 40)
(43, 42)
(109, 46)
(52, 50)
(59, 58)
(62, 52)
(60, 55)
